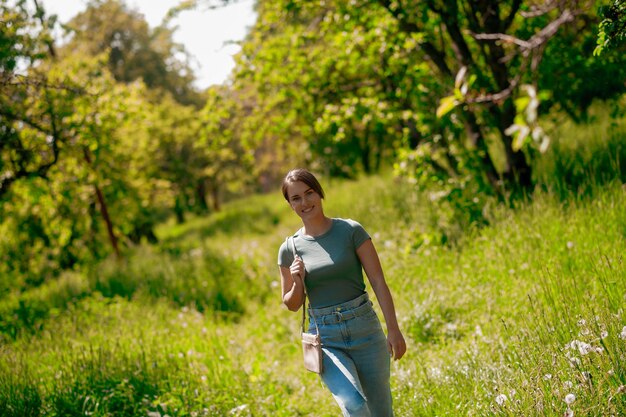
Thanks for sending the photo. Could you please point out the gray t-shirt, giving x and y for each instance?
(334, 272)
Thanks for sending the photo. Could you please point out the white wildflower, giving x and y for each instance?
(583, 348)
(568, 384)
(238, 409)
(622, 335)
(501, 399)
(569, 399)
(435, 373)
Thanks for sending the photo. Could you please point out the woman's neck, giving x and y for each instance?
(318, 226)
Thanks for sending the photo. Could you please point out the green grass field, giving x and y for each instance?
(523, 317)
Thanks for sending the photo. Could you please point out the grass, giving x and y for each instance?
(511, 320)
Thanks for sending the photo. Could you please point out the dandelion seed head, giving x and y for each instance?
(622, 335)
(604, 334)
(570, 245)
(583, 347)
(569, 399)
(501, 399)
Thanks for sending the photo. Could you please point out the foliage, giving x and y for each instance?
(612, 29)
(450, 93)
(135, 51)
(90, 159)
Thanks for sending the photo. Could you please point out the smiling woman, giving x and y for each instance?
(327, 258)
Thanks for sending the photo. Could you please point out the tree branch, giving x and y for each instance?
(508, 21)
(435, 55)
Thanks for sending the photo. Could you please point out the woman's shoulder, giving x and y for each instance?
(347, 223)
(285, 244)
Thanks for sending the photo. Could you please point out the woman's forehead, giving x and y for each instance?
(296, 187)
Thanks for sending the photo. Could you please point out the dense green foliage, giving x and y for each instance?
(447, 90)
(612, 32)
(104, 136)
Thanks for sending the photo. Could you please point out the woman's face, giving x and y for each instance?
(304, 200)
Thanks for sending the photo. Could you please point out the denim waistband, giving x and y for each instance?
(341, 312)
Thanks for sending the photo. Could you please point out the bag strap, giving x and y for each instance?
(295, 253)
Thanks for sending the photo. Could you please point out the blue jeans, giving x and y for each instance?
(356, 361)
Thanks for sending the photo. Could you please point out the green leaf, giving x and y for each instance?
(446, 105)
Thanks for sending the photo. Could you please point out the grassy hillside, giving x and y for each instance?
(524, 316)
(510, 321)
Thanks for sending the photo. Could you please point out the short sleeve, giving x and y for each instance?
(359, 235)
(285, 257)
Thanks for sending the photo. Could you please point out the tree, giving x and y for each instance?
(135, 51)
(451, 89)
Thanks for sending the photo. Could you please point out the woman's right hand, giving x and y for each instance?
(297, 269)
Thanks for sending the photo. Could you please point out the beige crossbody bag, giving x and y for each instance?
(311, 343)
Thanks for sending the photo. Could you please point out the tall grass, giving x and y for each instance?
(522, 317)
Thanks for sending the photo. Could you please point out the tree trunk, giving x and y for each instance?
(201, 196)
(215, 195)
(104, 211)
(475, 134)
(179, 210)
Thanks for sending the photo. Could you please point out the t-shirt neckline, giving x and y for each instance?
(318, 237)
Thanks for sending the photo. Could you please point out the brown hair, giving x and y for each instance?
(304, 176)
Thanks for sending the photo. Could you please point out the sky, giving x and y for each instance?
(205, 33)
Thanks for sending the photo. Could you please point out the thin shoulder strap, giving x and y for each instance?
(295, 252)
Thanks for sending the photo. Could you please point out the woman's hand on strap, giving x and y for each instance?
(297, 269)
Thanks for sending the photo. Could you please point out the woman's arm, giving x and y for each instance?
(291, 284)
(371, 264)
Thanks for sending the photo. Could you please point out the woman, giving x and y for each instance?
(330, 256)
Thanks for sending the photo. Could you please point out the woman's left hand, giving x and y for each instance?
(396, 344)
